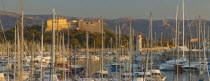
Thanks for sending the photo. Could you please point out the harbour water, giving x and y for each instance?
(170, 75)
(183, 76)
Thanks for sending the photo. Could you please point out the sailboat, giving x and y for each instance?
(180, 62)
(177, 63)
(194, 66)
(155, 73)
(51, 75)
(102, 74)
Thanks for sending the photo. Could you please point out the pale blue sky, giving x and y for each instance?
(110, 9)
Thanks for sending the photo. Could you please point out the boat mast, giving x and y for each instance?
(151, 60)
(204, 48)
(176, 41)
(207, 42)
(161, 39)
(132, 56)
(116, 43)
(52, 46)
(146, 67)
(189, 74)
(87, 56)
(102, 59)
(69, 52)
(183, 11)
(5, 39)
(21, 39)
(199, 41)
(21, 24)
(94, 46)
(18, 55)
(130, 48)
(8, 54)
(63, 56)
(176, 38)
(120, 50)
(15, 50)
(32, 61)
(42, 50)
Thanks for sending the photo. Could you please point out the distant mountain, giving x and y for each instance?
(141, 26)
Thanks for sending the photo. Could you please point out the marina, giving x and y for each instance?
(61, 49)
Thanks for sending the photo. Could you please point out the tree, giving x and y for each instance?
(74, 42)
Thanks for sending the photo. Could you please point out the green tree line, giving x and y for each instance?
(75, 37)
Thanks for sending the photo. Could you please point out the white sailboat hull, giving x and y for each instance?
(167, 67)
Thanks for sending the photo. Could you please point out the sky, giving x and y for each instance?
(112, 9)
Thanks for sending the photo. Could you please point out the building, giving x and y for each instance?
(139, 43)
(60, 24)
(63, 23)
(91, 26)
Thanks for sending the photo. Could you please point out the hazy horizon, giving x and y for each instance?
(112, 9)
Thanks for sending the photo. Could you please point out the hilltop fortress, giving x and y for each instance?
(62, 24)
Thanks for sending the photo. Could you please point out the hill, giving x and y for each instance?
(141, 26)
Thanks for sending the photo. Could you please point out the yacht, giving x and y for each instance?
(183, 48)
(181, 62)
(125, 76)
(172, 64)
(97, 76)
(100, 73)
(169, 65)
(2, 78)
(194, 66)
(156, 74)
(76, 69)
(143, 76)
(47, 77)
